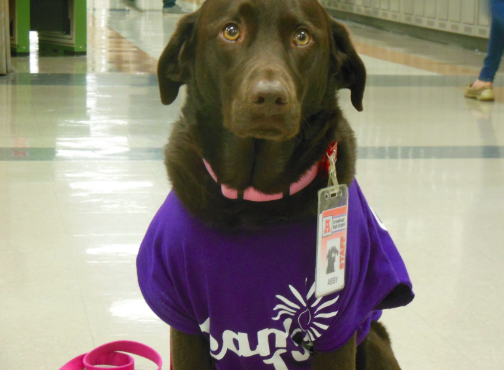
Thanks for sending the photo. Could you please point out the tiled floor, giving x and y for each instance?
(81, 176)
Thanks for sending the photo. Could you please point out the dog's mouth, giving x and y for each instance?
(278, 127)
(253, 161)
(267, 128)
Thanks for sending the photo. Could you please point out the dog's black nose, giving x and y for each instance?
(269, 97)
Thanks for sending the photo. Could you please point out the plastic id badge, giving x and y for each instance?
(331, 240)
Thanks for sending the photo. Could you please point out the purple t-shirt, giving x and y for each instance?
(251, 293)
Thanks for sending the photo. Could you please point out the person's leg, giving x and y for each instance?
(170, 7)
(482, 88)
(495, 43)
(168, 3)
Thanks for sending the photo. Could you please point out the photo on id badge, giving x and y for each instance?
(332, 253)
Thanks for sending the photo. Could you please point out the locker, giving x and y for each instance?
(483, 13)
(419, 8)
(442, 10)
(408, 6)
(468, 11)
(469, 17)
(454, 10)
(430, 8)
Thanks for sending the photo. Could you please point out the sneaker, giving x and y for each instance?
(482, 94)
(174, 10)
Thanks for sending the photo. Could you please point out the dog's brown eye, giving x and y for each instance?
(302, 37)
(231, 32)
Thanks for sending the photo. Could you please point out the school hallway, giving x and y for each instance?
(82, 175)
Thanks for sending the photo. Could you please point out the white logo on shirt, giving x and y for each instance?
(307, 316)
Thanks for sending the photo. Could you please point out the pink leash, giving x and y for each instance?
(111, 354)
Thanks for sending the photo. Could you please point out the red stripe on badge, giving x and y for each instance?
(335, 212)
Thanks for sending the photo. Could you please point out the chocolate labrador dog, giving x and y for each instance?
(261, 112)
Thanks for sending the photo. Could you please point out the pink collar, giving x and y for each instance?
(254, 195)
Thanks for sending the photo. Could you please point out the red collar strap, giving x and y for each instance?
(324, 163)
(254, 195)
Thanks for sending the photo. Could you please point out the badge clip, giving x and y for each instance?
(333, 179)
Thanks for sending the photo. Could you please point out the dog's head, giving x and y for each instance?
(261, 80)
(265, 64)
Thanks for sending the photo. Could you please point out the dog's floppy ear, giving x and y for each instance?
(174, 64)
(350, 70)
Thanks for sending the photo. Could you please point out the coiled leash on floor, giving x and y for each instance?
(112, 354)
